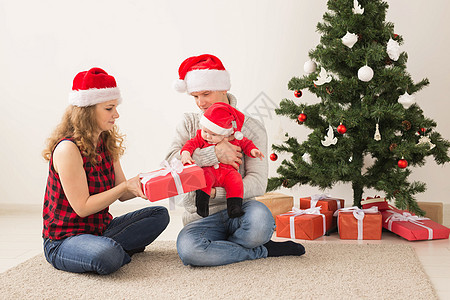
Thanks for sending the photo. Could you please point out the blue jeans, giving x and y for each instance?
(218, 240)
(107, 253)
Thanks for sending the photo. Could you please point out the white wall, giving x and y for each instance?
(262, 43)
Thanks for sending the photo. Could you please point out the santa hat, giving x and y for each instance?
(223, 119)
(202, 73)
(92, 87)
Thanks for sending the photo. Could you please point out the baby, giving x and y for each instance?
(220, 121)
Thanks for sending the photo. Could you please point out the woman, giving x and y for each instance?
(85, 178)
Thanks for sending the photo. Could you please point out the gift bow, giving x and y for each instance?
(315, 198)
(408, 217)
(298, 212)
(175, 167)
(359, 215)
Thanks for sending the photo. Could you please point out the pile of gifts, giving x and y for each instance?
(317, 215)
(320, 214)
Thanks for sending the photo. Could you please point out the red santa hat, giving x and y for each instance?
(92, 87)
(223, 119)
(202, 73)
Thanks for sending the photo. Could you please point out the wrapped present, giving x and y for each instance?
(325, 201)
(412, 227)
(308, 224)
(277, 203)
(433, 210)
(173, 179)
(359, 224)
(377, 201)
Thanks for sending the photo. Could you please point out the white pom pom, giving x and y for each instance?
(309, 67)
(365, 73)
(238, 135)
(179, 86)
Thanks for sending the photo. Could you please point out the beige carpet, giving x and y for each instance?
(326, 271)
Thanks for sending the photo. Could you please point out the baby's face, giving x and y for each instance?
(211, 137)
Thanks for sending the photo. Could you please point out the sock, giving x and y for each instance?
(234, 207)
(202, 203)
(284, 248)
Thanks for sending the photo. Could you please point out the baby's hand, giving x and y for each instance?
(186, 158)
(257, 153)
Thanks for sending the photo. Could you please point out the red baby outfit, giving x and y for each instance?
(60, 220)
(225, 175)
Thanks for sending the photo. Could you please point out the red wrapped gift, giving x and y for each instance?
(325, 201)
(412, 227)
(359, 224)
(377, 201)
(308, 224)
(173, 179)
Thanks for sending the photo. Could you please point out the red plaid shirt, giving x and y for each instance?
(60, 220)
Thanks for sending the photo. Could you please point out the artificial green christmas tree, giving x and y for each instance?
(366, 108)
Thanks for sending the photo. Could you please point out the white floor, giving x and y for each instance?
(20, 229)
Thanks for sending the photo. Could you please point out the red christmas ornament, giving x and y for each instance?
(402, 163)
(395, 36)
(298, 93)
(302, 117)
(273, 157)
(342, 129)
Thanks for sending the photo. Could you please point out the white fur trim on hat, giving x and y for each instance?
(90, 97)
(207, 80)
(214, 127)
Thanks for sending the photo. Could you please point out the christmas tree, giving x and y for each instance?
(366, 108)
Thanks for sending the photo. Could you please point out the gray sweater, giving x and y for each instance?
(253, 170)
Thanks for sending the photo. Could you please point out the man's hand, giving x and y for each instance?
(228, 153)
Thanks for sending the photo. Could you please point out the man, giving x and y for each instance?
(218, 239)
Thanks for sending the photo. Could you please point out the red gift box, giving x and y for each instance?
(377, 201)
(412, 227)
(325, 201)
(174, 179)
(306, 224)
(359, 224)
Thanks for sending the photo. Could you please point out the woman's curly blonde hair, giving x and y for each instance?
(79, 123)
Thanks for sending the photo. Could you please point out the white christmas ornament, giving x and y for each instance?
(329, 138)
(424, 140)
(377, 135)
(406, 100)
(357, 9)
(349, 39)
(365, 73)
(309, 67)
(307, 158)
(393, 49)
(323, 77)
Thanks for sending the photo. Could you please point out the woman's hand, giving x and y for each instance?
(134, 187)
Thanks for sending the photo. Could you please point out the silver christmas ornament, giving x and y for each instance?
(365, 73)
(309, 67)
(349, 39)
(329, 138)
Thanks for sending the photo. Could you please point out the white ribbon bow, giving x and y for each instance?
(298, 212)
(359, 215)
(406, 216)
(175, 167)
(315, 198)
